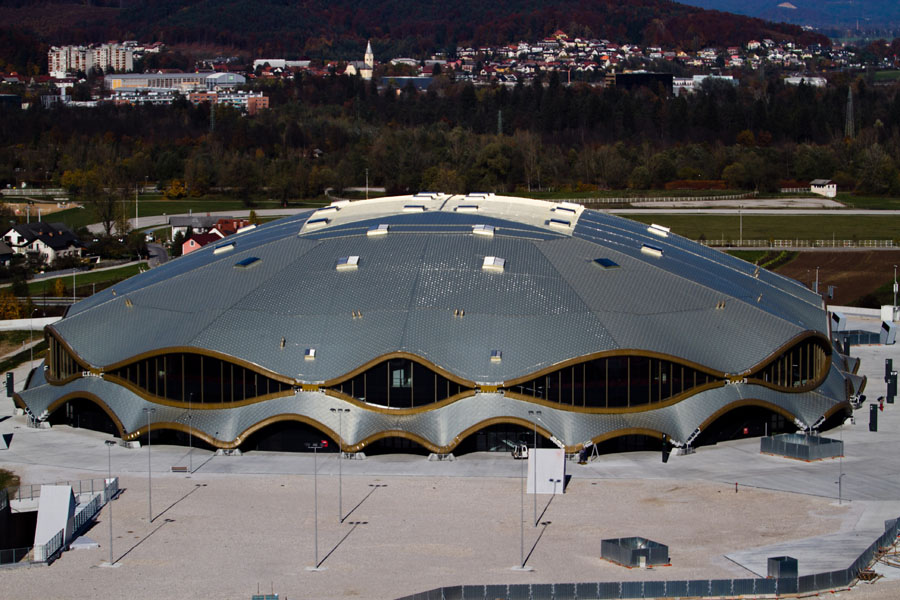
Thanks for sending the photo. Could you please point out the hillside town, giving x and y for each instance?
(230, 80)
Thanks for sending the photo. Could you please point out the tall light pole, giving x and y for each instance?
(367, 189)
(190, 433)
(73, 285)
(895, 289)
(109, 445)
(536, 414)
(340, 412)
(315, 448)
(149, 411)
(31, 338)
(741, 219)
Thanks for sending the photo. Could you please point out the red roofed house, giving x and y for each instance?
(198, 240)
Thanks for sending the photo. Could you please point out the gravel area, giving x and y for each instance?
(219, 536)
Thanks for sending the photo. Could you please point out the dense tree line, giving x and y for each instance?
(326, 132)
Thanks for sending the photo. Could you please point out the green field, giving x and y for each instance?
(802, 227)
(84, 281)
(886, 75)
(868, 202)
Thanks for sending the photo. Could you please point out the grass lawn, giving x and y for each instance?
(869, 202)
(886, 75)
(804, 227)
(84, 281)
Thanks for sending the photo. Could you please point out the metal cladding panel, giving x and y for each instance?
(718, 339)
(118, 332)
(452, 277)
(164, 273)
(342, 343)
(463, 345)
(312, 286)
(441, 427)
(725, 274)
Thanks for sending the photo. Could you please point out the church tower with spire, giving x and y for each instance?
(369, 57)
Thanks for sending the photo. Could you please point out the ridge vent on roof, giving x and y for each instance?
(431, 195)
(659, 230)
(331, 208)
(411, 208)
(480, 195)
(485, 230)
(651, 250)
(249, 227)
(560, 223)
(380, 229)
(347, 263)
(568, 208)
(316, 223)
(493, 263)
(467, 208)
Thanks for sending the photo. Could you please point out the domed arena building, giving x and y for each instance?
(447, 323)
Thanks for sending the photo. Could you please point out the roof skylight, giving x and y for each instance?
(347, 263)
(485, 230)
(223, 248)
(651, 250)
(659, 230)
(250, 261)
(606, 263)
(493, 263)
(380, 229)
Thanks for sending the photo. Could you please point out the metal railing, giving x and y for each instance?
(82, 486)
(34, 192)
(42, 553)
(45, 552)
(700, 588)
(803, 447)
(633, 199)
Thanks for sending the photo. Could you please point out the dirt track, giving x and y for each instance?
(855, 273)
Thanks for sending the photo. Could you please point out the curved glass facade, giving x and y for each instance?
(614, 382)
(804, 364)
(399, 383)
(187, 377)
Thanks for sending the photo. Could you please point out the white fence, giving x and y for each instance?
(800, 243)
(633, 199)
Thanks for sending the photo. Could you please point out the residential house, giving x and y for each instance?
(47, 240)
(198, 240)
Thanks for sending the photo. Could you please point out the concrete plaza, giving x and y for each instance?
(410, 525)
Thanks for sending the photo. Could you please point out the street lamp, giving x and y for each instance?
(741, 219)
(31, 337)
(109, 445)
(316, 446)
(190, 433)
(340, 412)
(537, 417)
(895, 290)
(73, 285)
(149, 411)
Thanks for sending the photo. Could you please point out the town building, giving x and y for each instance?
(66, 60)
(181, 82)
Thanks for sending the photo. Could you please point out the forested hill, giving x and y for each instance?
(336, 28)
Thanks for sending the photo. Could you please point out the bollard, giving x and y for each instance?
(9, 384)
(873, 417)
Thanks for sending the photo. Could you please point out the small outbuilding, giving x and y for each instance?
(823, 187)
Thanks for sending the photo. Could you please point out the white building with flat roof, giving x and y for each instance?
(64, 60)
